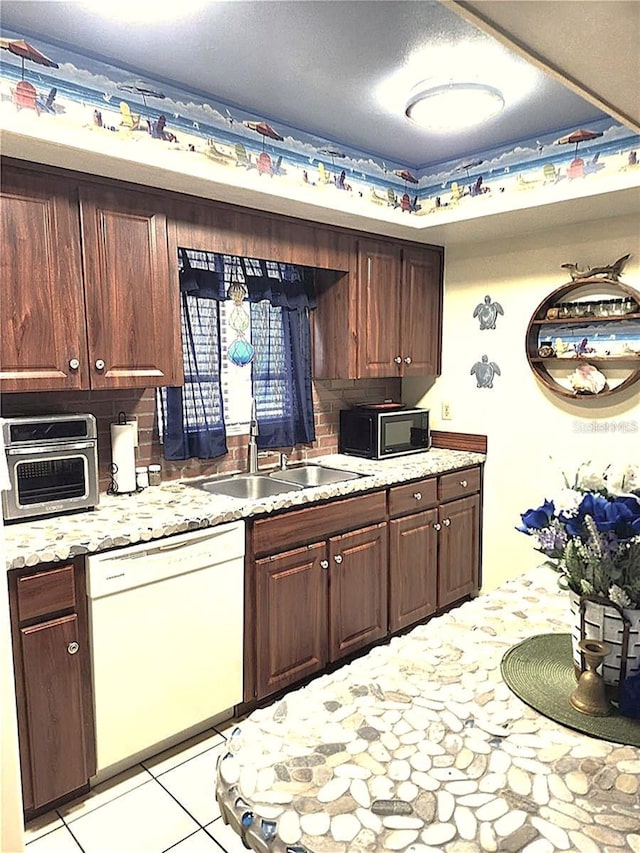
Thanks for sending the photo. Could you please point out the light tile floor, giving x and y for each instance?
(165, 803)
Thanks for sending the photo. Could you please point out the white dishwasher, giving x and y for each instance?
(166, 628)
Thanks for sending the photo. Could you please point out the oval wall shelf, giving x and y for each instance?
(593, 321)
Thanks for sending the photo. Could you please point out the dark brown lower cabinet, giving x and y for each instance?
(434, 553)
(357, 590)
(53, 682)
(413, 569)
(317, 604)
(291, 617)
(458, 549)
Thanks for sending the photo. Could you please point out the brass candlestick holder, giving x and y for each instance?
(589, 696)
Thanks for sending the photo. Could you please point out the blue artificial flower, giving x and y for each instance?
(620, 515)
(535, 519)
(628, 520)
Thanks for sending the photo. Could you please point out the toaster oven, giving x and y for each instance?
(52, 463)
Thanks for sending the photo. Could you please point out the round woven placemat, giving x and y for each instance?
(539, 670)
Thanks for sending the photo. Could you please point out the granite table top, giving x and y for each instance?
(177, 507)
(420, 746)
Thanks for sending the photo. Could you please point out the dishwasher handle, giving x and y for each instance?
(162, 549)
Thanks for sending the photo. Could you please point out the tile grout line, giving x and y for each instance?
(102, 805)
(74, 838)
(215, 840)
(186, 760)
(152, 778)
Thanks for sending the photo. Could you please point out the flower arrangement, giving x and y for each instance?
(590, 533)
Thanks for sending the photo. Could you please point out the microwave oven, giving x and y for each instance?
(381, 432)
(52, 462)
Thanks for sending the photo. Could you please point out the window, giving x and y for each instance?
(245, 334)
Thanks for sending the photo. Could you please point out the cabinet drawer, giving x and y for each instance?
(303, 526)
(458, 484)
(46, 592)
(413, 497)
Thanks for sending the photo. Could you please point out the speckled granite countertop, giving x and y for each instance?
(420, 746)
(177, 507)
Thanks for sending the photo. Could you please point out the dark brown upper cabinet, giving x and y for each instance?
(384, 319)
(400, 306)
(93, 301)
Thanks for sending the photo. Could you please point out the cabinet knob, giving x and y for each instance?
(398, 359)
(99, 364)
(324, 564)
(417, 496)
(446, 522)
(437, 526)
(464, 484)
(73, 647)
(408, 359)
(74, 364)
(338, 558)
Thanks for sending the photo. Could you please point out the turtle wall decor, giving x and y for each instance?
(485, 371)
(487, 313)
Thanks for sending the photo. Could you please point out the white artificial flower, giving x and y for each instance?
(567, 501)
(590, 480)
(619, 596)
(623, 479)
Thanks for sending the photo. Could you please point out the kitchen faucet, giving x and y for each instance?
(253, 445)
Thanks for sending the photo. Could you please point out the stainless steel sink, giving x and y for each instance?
(247, 486)
(313, 475)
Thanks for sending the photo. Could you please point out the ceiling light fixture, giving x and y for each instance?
(454, 106)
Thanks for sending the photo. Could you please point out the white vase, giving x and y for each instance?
(605, 624)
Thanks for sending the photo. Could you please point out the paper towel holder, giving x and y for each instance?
(126, 458)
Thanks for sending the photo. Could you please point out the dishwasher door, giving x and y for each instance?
(166, 628)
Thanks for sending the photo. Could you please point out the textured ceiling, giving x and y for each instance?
(343, 70)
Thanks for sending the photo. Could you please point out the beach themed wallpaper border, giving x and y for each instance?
(53, 94)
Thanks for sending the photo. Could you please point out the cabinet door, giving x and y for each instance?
(133, 321)
(291, 617)
(54, 704)
(357, 589)
(43, 341)
(378, 309)
(458, 550)
(421, 312)
(413, 569)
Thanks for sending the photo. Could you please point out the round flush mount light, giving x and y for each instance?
(454, 106)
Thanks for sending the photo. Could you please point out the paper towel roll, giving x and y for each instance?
(123, 457)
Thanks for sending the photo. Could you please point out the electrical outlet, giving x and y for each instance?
(447, 414)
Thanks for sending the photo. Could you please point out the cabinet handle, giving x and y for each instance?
(73, 647)
(74, 364)
(398, 359)
(464, 484)
(338, 558)
(324, 564)
(446, 522)
(407, 359)
(417, 496)
(437, 526)
(99, 364)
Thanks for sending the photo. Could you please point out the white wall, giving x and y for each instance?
(11, 818)
(526, 424)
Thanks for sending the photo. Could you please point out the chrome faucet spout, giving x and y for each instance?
(253, 444)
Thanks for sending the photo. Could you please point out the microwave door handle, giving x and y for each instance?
(49, 448)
